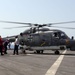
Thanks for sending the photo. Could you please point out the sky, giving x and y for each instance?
(36, 11)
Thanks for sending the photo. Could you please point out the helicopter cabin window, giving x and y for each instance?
(30, 37)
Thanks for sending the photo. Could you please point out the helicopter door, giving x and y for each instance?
(35, 40)
(45, 39)
(55, 38)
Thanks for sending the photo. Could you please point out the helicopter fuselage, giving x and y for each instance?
(48, 40)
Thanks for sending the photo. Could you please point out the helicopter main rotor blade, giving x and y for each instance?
(30, 24)
(16, 27)
(63, 27)
(61, 23)
(38, 25)
(17, 22)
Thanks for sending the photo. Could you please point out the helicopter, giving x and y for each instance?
(38, 39)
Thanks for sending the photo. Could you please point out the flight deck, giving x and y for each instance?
(38, 64)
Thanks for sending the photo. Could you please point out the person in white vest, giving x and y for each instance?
(16, 44)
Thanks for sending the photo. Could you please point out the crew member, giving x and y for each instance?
(1, 46)
(72, 37)
(5, 46)
(16, 44)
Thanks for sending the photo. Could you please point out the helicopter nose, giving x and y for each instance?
(63, 42)
(67, 41)
(70, 42)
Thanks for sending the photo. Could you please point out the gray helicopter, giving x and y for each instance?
(39, 39)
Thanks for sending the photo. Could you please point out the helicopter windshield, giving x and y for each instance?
(60, 35)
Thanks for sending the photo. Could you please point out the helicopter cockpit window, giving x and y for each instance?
(55, 35)
(62, 35)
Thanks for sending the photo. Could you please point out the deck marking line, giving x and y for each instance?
(53, 69)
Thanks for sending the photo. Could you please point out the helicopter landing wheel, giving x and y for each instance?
(38, 52)
(41, 51)
(34, 51)
(57, 52)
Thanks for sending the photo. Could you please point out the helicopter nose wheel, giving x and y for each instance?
(57, 52)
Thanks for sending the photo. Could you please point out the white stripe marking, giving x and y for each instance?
(55, 66)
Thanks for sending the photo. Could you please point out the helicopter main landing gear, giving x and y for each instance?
(39, 51)
(57, 52)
